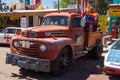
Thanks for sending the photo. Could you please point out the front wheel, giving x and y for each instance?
(58, 66)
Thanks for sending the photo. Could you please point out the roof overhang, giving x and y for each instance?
(113, 6)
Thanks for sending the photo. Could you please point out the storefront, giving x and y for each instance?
(24, 18)
(20, 19)
(114, 14)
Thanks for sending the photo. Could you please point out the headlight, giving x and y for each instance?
(42, 47)
(15, 44)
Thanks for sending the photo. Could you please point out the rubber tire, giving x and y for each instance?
(97, 50)
(57, 66)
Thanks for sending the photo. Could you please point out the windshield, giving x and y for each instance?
(116, 45)
(11, 31)
(56, 20)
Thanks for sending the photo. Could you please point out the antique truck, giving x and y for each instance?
(60, 39)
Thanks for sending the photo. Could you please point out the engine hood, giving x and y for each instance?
(49, 28)
(45, 31)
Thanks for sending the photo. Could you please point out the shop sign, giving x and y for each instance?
(114, 12)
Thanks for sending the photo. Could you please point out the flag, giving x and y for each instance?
(82, 8)
(84, 5)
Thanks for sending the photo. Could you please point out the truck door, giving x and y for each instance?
(77, 34)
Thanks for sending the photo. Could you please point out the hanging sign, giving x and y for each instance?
(114, 12)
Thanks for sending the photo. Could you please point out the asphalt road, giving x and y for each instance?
(81, 69)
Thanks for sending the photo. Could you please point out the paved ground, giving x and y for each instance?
(82, 69)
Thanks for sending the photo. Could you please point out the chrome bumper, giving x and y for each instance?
(28, 62)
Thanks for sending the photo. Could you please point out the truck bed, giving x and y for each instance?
(91, 38)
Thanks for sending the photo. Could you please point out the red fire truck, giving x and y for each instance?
(52, 46)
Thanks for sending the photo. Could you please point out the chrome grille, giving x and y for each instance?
(32, 51)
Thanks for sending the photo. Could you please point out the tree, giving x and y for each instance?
(0, 5)
(4, 7)
(55, 5)
(65, 3)
(100, 5)
(21, 1)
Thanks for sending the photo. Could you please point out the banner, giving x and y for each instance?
(32, 2)
(102, 21)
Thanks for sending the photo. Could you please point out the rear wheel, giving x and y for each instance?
(97, 50)
(58, 66)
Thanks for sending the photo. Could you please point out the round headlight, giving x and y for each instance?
(42, 47)
(15, 44)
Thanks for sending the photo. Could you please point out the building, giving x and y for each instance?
(25, 18)
(20, 6)
(32, 4)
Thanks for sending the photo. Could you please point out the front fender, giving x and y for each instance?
(54, 46)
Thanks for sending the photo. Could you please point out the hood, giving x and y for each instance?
(45, 31)
(49, 28)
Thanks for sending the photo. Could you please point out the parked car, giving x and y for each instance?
(7, 34)
(112, 59)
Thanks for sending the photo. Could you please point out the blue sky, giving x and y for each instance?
(45, 3)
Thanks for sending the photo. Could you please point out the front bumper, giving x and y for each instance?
(28, 62)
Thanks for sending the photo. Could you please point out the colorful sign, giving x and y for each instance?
(78, 40)
(27, 3)
(114, 12)
(102, 21)
(14, 18)
(33, 4)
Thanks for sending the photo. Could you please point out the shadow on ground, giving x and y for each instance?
(80, 70)
(3, 45)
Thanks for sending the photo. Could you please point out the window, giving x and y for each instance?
(116, 45)
(56, 20)
(76, 22)
(12, 21)
(11, 31)
(18, 31)
(40, 20)
(30, 21)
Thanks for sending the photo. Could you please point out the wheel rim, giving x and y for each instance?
(63, 62)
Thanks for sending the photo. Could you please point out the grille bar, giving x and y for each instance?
(32, 51)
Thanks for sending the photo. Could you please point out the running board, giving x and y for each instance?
(78, 54)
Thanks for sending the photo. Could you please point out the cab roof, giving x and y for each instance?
(62, 14)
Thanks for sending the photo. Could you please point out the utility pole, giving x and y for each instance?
(78, 5)
(58, 6)
(0, 5)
